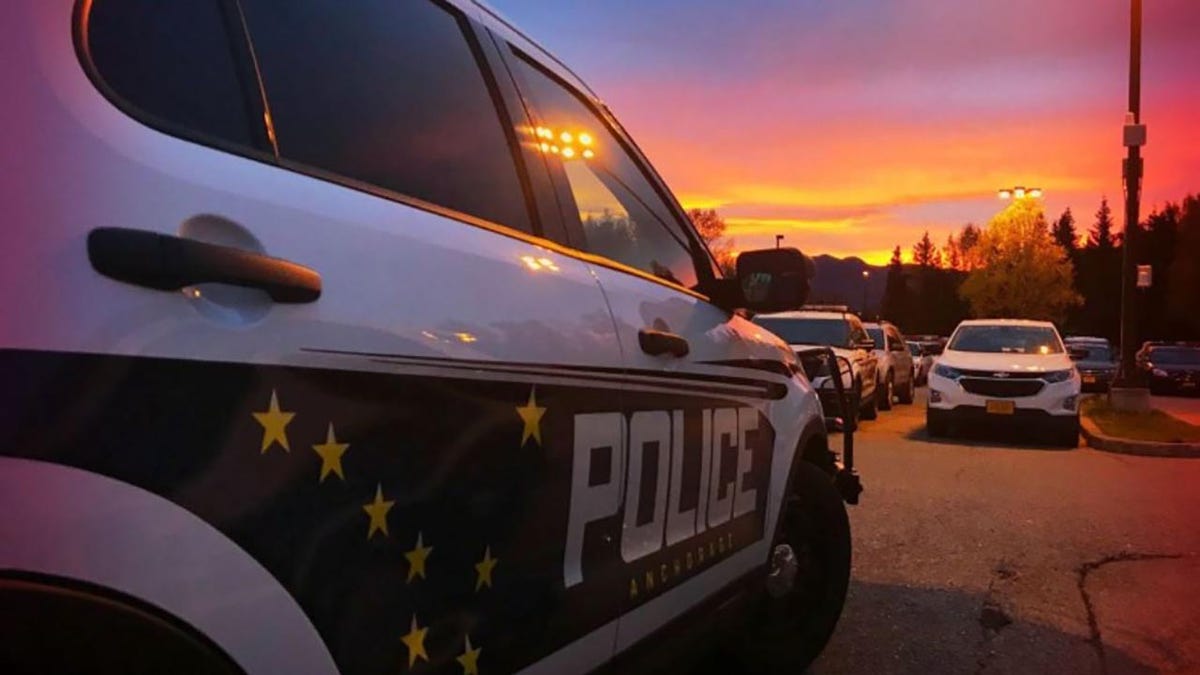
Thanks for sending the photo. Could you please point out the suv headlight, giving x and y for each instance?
(1058, 376)
(947, 372)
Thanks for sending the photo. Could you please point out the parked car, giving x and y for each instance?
(339, 337)
(1171, 368)
(897, 372)
(923, 356)
(1096, 361)
(842, 330)
(1007, 373)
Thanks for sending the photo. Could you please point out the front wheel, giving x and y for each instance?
(909, 392)
(885, 392)
(935, 425)
(808, 575)
(1066, 435)
(867, 411)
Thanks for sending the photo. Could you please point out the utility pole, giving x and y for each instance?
(866, 277)
(1135, 137)
(778, 239)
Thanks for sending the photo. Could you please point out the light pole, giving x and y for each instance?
(1135, 138)
(778, 239)
(866, 276)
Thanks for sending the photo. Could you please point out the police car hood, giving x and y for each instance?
(1010, 363)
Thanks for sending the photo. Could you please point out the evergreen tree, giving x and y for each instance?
(968, 241)
(1101, 235)
(1065, 234)
(895, 294)
(925, 252)
(953, 258)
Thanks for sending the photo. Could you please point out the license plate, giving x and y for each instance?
(1089, 379)
(1001, 407)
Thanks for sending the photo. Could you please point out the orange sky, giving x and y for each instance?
(854, 126)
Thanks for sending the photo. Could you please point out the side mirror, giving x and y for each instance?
(774, 279)
(1077, 354)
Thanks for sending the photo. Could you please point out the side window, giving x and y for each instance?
(622, 215)
(172, 61)
(387, 93)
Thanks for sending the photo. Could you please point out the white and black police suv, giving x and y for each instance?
(356, 336)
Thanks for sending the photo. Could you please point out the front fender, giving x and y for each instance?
(66, 522)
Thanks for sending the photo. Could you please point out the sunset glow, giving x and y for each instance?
(854, 126)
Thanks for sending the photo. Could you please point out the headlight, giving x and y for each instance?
(1159, 372)
(947, 372)
(1057, 376)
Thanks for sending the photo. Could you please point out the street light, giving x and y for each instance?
(1019, 192)
(866, 275)
(778, 239)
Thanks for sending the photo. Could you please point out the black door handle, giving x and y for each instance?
(170, 263)
(657, 342)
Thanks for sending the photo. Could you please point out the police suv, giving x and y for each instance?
(358, 336)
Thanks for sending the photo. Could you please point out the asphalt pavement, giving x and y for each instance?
(1186, 409)
(984, 556)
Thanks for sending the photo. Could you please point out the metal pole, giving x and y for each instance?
(1133, 186)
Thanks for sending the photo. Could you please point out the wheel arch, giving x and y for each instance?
(83, 528)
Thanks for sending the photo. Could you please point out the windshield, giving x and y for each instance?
(1006, 340)
(1175, 356)
(914, 349)
(833, 332)
(1095, 353)
(877, 335)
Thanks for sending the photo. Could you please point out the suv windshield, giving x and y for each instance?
(1095, 352)
(1175, 356)
(1006, 340)
(810, 331)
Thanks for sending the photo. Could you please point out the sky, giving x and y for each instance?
(853, 126)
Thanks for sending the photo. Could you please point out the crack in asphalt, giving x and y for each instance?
(1082, 572)
(992, 616)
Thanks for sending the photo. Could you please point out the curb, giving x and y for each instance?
(1097, 440)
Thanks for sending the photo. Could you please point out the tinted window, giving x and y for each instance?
(172, 60)
(622, 215)
(387, 92)
(1006, 339)
(876, 334)
(1175, 356)
(833, 332)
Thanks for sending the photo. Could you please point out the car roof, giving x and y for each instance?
(1007, 322)
(495, 21)
(804, 314)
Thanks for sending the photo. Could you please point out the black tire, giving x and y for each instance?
(886, 392)
(869, 411)
(786, 634)
(1066, 435)
(909, 392)
(935, 426)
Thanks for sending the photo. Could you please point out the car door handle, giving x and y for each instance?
(657, 343)
(169, 263)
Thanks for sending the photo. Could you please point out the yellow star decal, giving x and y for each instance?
(273, 422)
(331, 455)
(483, 569)
(416, 558)
(415, 641)
(469, 659)
(378, 510)
(531, 415)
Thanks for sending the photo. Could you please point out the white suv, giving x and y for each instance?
(358, 337)
(1009, 373)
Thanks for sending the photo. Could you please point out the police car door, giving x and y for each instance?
(371, 468)
(691, 498)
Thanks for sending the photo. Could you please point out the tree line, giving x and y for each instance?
(1021, 266)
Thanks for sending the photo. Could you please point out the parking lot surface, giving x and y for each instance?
(983, 556)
